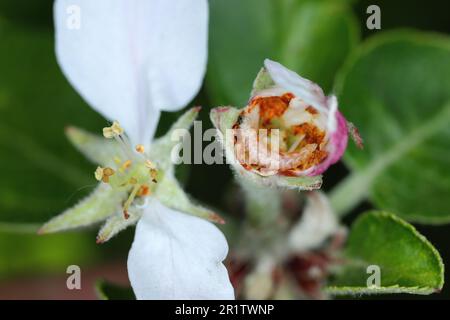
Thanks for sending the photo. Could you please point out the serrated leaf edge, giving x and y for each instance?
(348, 290)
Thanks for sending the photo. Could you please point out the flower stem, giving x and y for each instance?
(350, 192)
(263, 203)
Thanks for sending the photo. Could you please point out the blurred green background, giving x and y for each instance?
(41, 173)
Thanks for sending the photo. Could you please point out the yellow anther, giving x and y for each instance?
(117, 160)
(116, 128)
(113, 131)
(140, 148)
(126, 164)
(108, 172)
(108, 133)
(99, 173)
(133, 181)
(103, 174)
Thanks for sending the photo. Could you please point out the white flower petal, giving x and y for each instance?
(307, 90)
(179, 61)
(332, 107)
(317, 223)
(259, 284)
(177, 256)
(130, 59)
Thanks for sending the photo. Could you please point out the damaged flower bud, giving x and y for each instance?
(289, 127)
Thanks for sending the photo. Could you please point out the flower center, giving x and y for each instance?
(134, 173)
(299, 128)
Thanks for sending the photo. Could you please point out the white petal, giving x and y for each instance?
(332, 107)
(259, 283)
(177, 256)
(307, 90)
(317, 223)
(130, 59)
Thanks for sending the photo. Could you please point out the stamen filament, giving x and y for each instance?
(126, 149)
(130, 200)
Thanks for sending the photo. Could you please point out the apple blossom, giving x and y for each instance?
(130, 60)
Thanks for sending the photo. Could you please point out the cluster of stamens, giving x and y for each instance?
(136, 174)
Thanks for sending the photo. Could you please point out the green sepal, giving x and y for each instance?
(162, 147)
(94, 147)
(303, 183)
(224, 118)
(170, 193)
(117, 223)
(100, 204)
(263, 81)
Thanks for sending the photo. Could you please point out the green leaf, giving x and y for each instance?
(408, 262)
(41, 172)
(19, 228)
(32, 14)
(32, 254)
(310, 37)
(109, 291)
(320, 37)
(396, 91)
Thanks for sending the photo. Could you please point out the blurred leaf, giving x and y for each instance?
(42, 173)
(25, 228)
(31, 13)
(396, 91)
(319, 40)
(408, 262)
(241, 35)
(33, 254)
(109, 291)
(311, 37)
